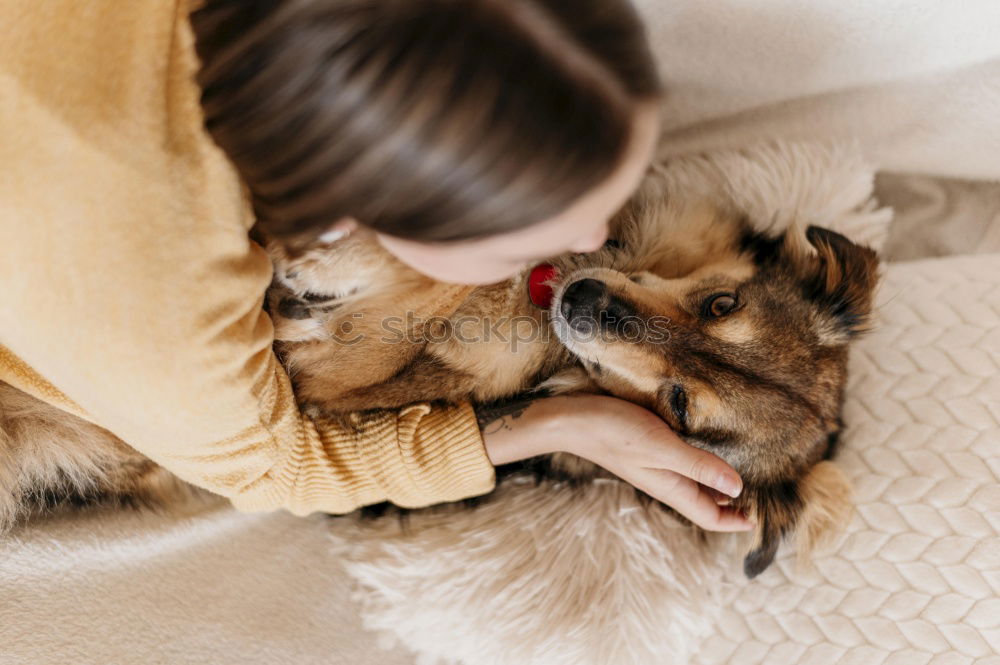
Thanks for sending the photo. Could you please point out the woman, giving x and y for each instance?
(473, 137)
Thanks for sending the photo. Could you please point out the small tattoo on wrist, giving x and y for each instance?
(500, 414)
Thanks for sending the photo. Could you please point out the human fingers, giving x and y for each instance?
(669, 451)
(687, 498)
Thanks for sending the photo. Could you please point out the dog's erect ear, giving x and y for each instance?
(817, 508)
(841, 280)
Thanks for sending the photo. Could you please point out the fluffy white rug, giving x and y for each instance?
(541, 574)
(549, 574)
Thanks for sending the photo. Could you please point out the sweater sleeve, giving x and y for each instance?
(132, 294)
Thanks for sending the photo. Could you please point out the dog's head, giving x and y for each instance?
(745, 356)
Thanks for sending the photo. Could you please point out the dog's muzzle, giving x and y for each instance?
(588, 303)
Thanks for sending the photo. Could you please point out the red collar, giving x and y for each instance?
(539, 285)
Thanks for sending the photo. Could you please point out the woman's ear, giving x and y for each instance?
(340, 229)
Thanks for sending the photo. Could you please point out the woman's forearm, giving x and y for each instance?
(520, 427)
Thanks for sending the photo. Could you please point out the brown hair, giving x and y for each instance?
(433, 120)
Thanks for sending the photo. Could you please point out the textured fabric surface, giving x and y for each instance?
(916, 82)
(917, 579)
(939, 216)
(204, 587)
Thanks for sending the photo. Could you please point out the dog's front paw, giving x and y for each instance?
(571, 380)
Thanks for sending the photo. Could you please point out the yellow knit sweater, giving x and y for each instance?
(131, 295)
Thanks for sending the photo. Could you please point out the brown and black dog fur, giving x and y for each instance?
(737, 338)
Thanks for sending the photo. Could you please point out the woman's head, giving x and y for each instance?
(443, 125)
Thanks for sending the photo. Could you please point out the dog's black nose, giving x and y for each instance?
(585, 297)
(589, 305)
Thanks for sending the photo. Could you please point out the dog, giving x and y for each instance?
(50, 458)
(736, 337)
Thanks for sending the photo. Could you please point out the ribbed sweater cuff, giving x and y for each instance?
(436, 455)
(414, 457)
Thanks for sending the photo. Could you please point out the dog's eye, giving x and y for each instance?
(612, 243)
(679, 404)
(719, 305)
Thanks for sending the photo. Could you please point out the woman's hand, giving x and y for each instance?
(627, 440)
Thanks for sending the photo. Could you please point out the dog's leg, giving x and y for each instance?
(424, 379)
(49, 457)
